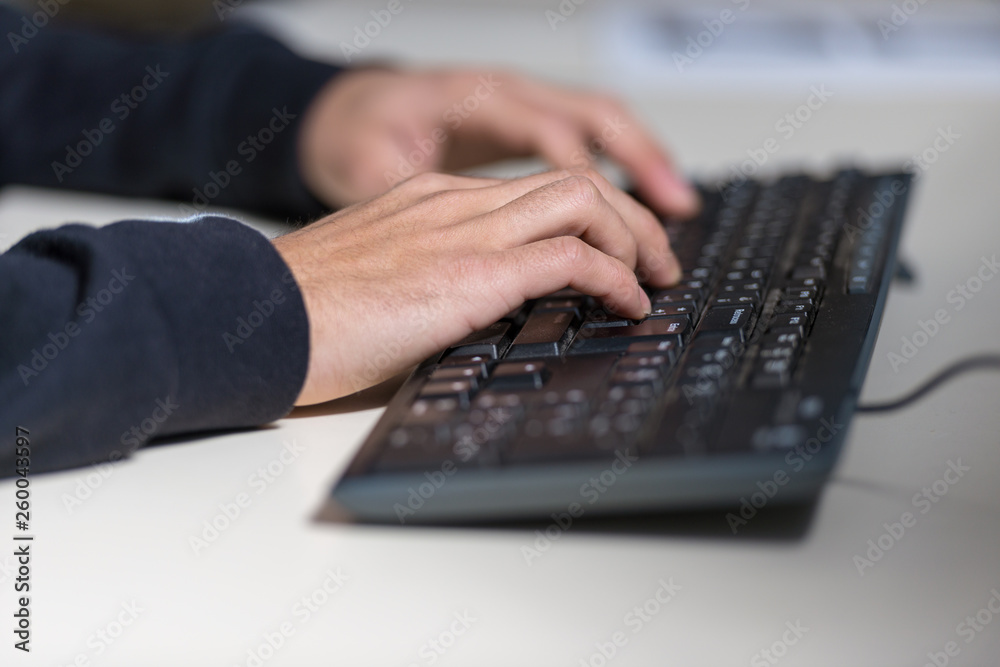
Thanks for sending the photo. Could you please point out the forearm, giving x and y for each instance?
(211, 120)
(139, 330)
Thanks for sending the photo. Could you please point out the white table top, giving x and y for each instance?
(464, 596)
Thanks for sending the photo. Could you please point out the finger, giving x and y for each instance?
(522, 129)
(479, 196)
(410, 192)
(656, 263)
(572, 206)
(616, 131)
(626, 140)
(428, 184)
(534, 270)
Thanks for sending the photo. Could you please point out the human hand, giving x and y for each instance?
(397, 278)
(369, 129)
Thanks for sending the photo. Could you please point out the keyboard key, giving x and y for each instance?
(803, 283)
(602, 318)
(798, 307)
(491, 342)
(666, 347)
(724, 350)
(797, 293)
(794, 305)
(626, 375)
(808, 271)
(741, 285)
(790, 320)
(433, 410)
(517, 316)
(618, 339)
(473, 372)
(680, 308)
(481, 360)
(699, 273)
(736, 298)
(558, 304)
(545, 334)
(413, 448)
(660, 361)
(772, 373)
(783, 336)
(777, 352)
(676, 296)
(726, 320)
(460, 389)
(512, 375)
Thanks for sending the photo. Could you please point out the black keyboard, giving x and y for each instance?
(737, 390)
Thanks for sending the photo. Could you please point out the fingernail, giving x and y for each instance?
(647, 306)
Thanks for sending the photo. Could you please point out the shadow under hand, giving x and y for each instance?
(366, 399)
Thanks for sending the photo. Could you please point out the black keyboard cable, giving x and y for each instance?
(977, 362)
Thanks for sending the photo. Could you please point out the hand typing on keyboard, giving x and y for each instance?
(371, 128)
(394, 279)
(734, 391)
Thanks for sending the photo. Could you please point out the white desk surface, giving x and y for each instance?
(129, 542)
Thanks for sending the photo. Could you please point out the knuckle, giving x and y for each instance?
(424, 183)
(594, 176)
(571, 252)
(579, 192)
(443, 200)
(619, 274)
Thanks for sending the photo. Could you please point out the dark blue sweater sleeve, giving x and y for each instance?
(117, 335)
(210, 119)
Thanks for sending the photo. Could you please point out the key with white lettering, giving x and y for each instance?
(726, 320)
